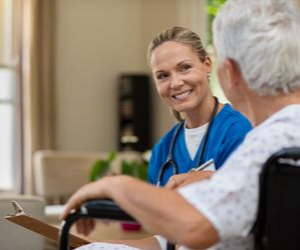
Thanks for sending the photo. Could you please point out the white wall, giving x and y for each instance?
(96, 40)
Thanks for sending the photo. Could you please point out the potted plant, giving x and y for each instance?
(101, 167)
(133, 168)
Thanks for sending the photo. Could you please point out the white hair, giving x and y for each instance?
(263, 38)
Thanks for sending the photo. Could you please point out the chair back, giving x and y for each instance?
(278, 221)
(58, 174)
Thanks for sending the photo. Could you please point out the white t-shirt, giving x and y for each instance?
(193, 138)
(229, 199)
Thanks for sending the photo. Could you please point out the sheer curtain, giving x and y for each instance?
(37, 82)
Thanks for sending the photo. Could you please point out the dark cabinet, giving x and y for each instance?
(134, 112)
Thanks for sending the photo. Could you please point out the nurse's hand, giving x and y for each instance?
(181, 180)
(85, 226)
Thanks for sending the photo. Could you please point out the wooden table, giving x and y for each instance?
(108, 230)
(113, 231)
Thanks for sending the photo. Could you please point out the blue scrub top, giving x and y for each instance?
(226, 133)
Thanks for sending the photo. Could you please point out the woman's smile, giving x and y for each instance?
(182, 95)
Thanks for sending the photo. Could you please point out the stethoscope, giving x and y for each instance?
(170, 161)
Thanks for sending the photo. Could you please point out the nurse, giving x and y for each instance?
(206, 129)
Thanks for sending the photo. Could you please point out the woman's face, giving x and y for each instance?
(180, 76)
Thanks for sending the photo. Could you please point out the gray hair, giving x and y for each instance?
(262, 37)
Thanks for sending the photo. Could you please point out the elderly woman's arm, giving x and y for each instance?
(162, 211)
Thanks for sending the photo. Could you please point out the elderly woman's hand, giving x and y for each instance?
(181, 180)
(94, 190)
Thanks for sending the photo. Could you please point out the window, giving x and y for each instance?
(7, 124)
(212, 7)
(9, 115)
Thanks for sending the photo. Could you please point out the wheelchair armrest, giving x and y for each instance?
(105, 209)
(101, 209)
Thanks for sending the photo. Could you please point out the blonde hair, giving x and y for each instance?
(183, 36)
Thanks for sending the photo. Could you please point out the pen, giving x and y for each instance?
(203, 166)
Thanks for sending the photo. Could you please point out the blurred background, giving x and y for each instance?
(75, 89)
(64, 72)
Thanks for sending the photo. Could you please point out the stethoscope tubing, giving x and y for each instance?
(170, 160)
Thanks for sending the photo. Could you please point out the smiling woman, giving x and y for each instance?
(206, 130)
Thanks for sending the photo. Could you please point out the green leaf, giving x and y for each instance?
(212, 10)
(99, 169)
(112, 156)
(142, 171)
(126, 168)
(135, 169)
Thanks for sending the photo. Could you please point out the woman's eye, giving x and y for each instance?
(185, 67)
(162, 76)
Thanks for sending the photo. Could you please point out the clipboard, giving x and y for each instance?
(40, 227)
